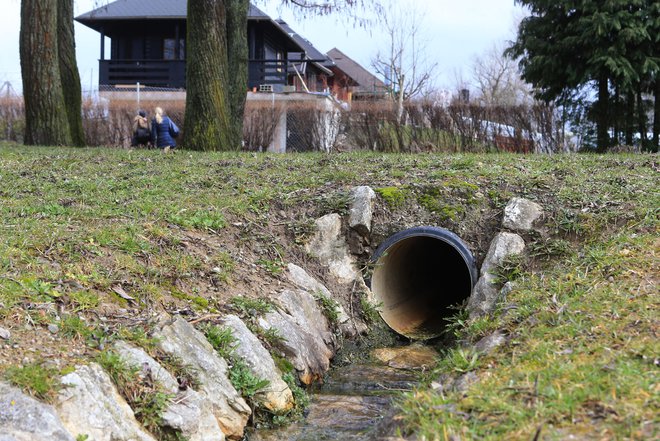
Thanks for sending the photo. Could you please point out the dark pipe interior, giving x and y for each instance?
(416, 280)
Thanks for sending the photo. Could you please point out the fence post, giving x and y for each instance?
(138, 95)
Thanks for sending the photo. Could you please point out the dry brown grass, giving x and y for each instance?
(369, 125)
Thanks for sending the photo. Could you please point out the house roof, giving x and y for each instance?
(120, 11)
(311, 53)
(149, 9)
(367, 82)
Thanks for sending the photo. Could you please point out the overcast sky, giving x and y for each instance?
(455, 31)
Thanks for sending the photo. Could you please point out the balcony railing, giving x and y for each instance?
(172, 73)
(154, 73)
(267, 72)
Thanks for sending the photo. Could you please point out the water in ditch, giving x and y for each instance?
(355, 400)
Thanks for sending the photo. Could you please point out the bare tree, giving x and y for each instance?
(404, 62)
(497, 80)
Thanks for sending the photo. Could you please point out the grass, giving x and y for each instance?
(36, 379)
(222, 339)
(244, 381)
(186, 232)
(329, 307)
(249, 307)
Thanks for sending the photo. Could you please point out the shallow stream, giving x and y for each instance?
(354, 402)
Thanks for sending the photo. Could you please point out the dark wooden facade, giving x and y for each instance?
(149, 47)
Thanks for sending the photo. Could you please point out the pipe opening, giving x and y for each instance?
(419, 273)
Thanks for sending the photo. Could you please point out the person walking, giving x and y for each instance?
(163, 131)
(141, 132)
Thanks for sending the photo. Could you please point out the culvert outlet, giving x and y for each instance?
(419, 274)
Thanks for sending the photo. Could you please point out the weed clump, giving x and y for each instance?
(146, 397)
(246, 306)
(37, 379)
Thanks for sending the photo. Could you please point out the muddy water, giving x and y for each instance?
(354, 402)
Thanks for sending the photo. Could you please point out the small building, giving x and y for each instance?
(351, 81)
(148, 48)
(148, 45)
(308, 70)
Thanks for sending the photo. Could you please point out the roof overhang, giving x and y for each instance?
(107, 18)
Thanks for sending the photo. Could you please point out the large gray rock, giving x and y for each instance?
(137, 357)
(22, 418)
(307, 352)
(520, 214)
(486, 292)
(189, 411)
(276, 397)
(90, 405)
(303, 280)
(181, 339)
(501, 247)
(307, 314)
(329, 246)
(360, 214)
(349, 327)
(490, 342)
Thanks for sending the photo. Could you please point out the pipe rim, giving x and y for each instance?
(446, 237)
(443, 234)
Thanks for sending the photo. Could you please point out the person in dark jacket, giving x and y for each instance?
(163, 131)
(141, 132)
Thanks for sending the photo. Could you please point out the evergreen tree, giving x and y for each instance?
(567, 44)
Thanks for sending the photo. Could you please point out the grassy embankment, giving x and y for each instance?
(185, 232)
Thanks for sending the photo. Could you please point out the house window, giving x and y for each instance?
(271, 53)
(169, 49)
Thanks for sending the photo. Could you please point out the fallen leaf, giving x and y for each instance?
(121, 293)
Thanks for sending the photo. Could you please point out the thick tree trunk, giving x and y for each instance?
(656, 114)
(69, 71)
(237, 58)
(45, 123)
(602, 112)
(210, 123)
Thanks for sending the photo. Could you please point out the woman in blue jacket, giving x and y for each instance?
(163, 131)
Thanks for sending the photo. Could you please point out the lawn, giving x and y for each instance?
(93, 239)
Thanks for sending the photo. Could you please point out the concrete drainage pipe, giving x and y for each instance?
(418, 274)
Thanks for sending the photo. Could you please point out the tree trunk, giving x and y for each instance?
(602, 112)
(69, 71)
(615, 118)
(641, 119)
(237, 58)
(399, 100)
(209, 124)
(656, 114)
(630, 117)
(45, 123)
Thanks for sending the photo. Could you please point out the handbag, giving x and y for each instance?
(142, 134)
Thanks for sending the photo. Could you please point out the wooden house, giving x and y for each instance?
(148, 45)
(350, 81)
(308, 70)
